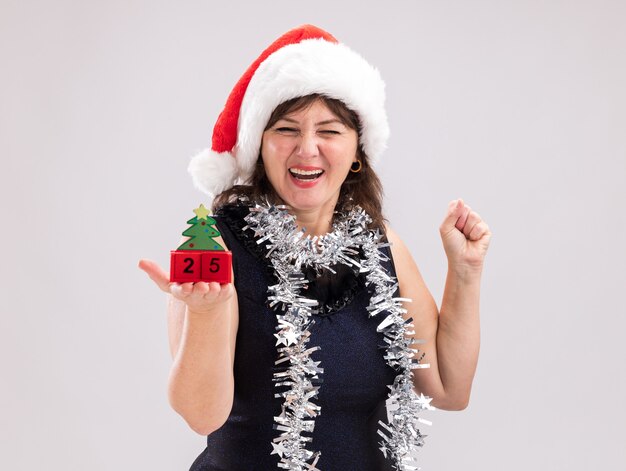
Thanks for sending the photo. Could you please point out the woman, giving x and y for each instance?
(284, 366)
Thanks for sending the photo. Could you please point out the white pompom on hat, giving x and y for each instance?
(306, 60)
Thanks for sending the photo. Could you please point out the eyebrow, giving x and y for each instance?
(320, 123)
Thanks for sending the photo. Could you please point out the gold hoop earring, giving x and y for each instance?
(356, 169)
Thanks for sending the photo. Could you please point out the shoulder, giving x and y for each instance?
(410, 279)
(406, 268)
(399, 249)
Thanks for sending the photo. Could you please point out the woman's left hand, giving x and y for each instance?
(465, 236)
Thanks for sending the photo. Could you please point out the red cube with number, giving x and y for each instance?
(185, 266)
(216, 266)
(200, 265)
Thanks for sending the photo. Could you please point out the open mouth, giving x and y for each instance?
(305, 175)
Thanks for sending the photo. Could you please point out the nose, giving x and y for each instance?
(308, 146)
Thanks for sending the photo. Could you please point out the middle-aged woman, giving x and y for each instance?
(307, 360)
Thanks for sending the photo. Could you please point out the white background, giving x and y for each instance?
(519, 107)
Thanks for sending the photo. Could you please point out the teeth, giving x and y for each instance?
(298, 171)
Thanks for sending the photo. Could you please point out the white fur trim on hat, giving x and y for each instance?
(213, 172)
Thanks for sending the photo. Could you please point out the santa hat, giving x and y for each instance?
(303, 61)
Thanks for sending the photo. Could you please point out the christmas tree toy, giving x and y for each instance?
(201, 257)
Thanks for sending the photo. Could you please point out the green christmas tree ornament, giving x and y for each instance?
(202, 235)
(201, 257)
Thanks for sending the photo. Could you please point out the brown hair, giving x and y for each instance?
(362, 188)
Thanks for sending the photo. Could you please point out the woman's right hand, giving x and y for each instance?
(200, 297)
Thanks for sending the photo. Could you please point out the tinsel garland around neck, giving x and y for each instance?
(290, 251)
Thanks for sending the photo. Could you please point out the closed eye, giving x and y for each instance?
(329, 131)
(285, 129)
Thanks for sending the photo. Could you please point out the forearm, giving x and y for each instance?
(458, 335)
(201, 381)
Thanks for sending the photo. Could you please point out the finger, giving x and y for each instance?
(177, 291)
(226, 290)
(479, 231)
(455, 210)
(461, 224)
(472, 219)
(201, 288)
(230, 289)
(214, 290)
(214, 286)
(156, 274)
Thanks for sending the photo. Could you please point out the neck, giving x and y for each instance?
(315, 222)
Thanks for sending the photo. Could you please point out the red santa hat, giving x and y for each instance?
(303, 61)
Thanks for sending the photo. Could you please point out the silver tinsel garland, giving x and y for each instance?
(289, 251)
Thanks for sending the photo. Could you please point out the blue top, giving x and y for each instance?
(354, 388)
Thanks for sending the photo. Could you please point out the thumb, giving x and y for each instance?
(454, 213)
(156, 274)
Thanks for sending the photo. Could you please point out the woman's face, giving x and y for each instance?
(307, 155)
